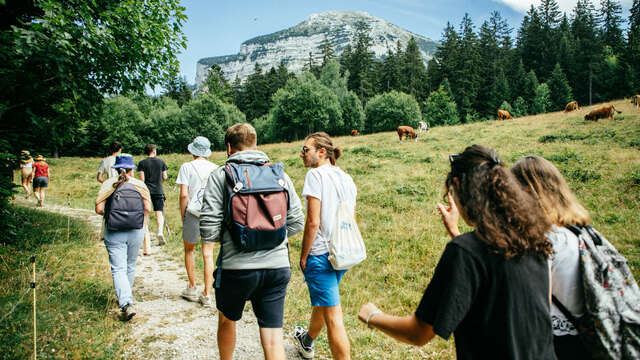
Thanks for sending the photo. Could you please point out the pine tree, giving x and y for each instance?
(326, 49)
(549, 13)
(413, 71)
(518, 80)
(391, 74)
(559, 89)
(611, 14)
(216, 84)
(542, 100)
(588, 49)
(633, 45)
(359, 61)
(520, 107)
(446, 59)
(530, 86)
(531, 42)
(467, 77)
(493, 47)
(499, 92)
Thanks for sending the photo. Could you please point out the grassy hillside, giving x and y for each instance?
(399, 184)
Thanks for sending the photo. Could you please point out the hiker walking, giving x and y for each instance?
(153, 171)
(491, 285)
(253, 264)
(106, 170)
(321, 186)
(26, 170)
(192, 178)
(40, 178)
(124, 201)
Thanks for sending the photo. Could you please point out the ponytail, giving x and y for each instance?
(122, 177)
(322, 140)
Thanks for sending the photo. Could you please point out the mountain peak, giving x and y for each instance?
(294, 45)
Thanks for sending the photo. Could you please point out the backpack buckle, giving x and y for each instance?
(238, 187)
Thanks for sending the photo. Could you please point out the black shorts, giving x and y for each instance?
(158, 201)
(265, 288)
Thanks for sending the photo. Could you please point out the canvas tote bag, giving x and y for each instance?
(346, 247)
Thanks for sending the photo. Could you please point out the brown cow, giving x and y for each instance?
(504, 115)
(406, 131)
(603, 112)
(354, 132)
(572, 106)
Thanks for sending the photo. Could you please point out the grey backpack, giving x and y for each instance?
(610, 326)
(124, 209)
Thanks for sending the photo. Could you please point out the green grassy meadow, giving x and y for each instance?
(399, 184)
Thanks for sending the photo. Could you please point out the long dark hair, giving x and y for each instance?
(505, 217)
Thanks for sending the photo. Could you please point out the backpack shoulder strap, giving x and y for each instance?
(572, 319)
(335, 184)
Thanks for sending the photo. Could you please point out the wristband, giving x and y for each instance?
(374, 312)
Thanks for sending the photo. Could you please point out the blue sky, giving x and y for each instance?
(217, 28)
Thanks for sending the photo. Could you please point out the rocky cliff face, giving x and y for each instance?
(293, 45)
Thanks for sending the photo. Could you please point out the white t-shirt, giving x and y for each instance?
(566, 281)
(320, 185)
(105, 167)
(191, 172)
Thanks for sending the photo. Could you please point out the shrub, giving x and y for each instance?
(542, 100)
(520, 107)
(440, 109)
(385, 112)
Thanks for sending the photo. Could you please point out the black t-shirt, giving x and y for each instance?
(153, 168)
(497, 308)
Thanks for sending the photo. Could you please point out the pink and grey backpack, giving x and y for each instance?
(256, 214)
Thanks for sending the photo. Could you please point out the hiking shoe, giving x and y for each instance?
(161, 240)
(305, 351)
(127, 312)
(206, 300)
(190, 293)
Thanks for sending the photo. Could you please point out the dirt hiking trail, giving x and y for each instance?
(167, 326)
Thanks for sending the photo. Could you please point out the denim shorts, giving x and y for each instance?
(40, 182)
(323, 281)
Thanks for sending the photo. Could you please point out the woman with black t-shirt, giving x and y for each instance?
(491, 286)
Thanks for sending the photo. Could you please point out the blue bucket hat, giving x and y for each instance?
(124, 161)
(200, 147)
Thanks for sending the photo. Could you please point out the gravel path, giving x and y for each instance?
(167, 326)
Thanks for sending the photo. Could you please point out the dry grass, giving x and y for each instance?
(399, 184)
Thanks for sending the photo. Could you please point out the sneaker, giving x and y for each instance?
(127, 312)
(190, 293)
(305, 351)
(161, 240)
(206, 300)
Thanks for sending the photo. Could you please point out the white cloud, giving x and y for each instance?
(565, 5)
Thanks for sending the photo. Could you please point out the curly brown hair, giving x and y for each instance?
(505, 216)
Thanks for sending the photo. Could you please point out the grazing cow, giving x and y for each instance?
(423, 126)
(636, 100)
(572, 106)
(504, 115)
(354, 132)
(603, 112)
(406, 131)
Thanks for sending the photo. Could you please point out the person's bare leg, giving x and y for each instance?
(272, 345)
(160, 220)
(147, 236)
(226, 337)
(190, 262)
(317, 321)
(42, 195)
(338, 339)
(25, 186)
(207, 257)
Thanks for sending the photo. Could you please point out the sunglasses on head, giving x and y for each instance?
(454, 157)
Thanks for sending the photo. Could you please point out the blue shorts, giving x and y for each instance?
(323, 281)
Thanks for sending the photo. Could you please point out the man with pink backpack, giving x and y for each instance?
(250, 206)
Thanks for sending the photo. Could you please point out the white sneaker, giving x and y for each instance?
(190, 293)
(161, 240)
(206, 300)
(305, 351)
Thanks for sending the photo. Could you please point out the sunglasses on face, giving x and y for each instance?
(304, 150)
(454, 157)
